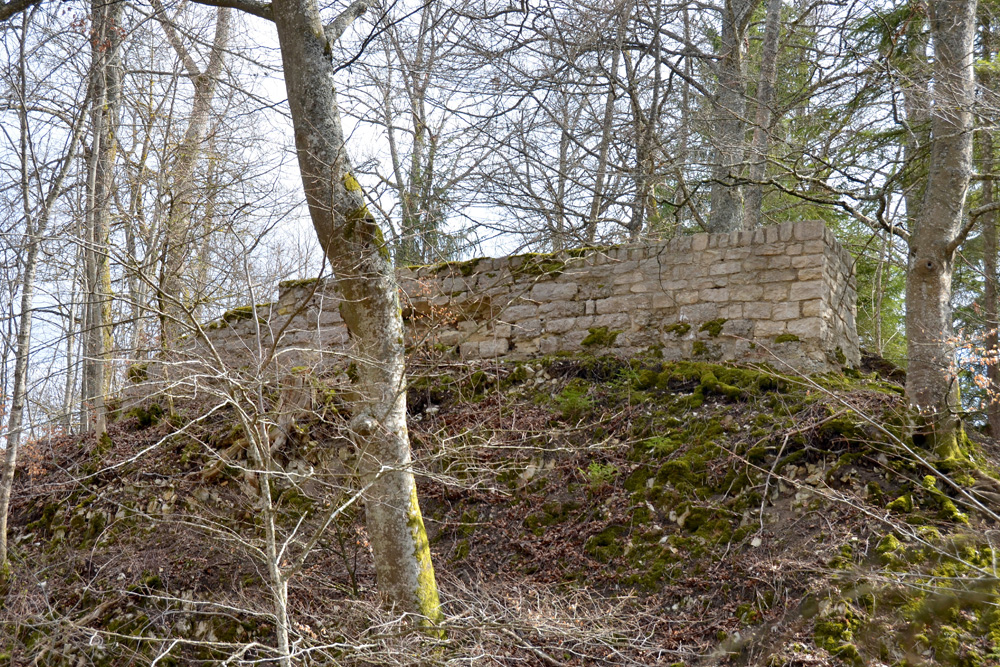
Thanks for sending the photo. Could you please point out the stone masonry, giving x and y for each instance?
(784, 295)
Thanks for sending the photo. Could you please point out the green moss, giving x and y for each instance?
(786, 338)
(902, 505)
(146, 416)
(461, 551)
(293, 284)
(574, 401)
(713, 327)
(600, 336)
(835, 634)
(839, 354)
(604, 546)
(678, 329)
(137, 373)
(699, 349)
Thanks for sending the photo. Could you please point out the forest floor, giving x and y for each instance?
(581, 511)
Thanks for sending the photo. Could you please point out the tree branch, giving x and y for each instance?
(8, 9)
(335, 28)
(973, 219)
(258, 9)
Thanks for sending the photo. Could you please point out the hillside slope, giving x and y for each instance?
(582, 511)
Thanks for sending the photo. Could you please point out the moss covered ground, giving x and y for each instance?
(582, 510)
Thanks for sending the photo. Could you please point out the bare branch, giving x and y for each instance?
(337, 26)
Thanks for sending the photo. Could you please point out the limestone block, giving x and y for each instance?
(808, 230)
(812, 308)
(768, 329)
(686, 297)
(806, 261)
(771, 249)
(628, 278)
(493, 348)
(779, 262)
(813, 289)
(738, 327)
(715, 295)
(609, 320)
(725, 268)
(527, 328)
(502, 330)
(757, 310)
(699, 242)
(813, 247)
(519, 312)
(553, 291)
(746, 292)
(788, 310)
(776, 275)
(621, 304)
(526, 347)
(563, 324)
(699, 312)
(807, 328)
(732, 311)
(772, 234)
(562, 308)
(467, 326)
(754, 263)
(469, 350)
(775, 292)
(814, 273)
(551, 344)
(640, 288)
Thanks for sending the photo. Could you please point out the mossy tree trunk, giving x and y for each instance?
(360, 261)
(931, 383)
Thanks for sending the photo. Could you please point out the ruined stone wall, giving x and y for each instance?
(782, 295)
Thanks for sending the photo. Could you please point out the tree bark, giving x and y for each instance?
(360, 260)
(991, 312)
(761, 144)
(729, 125)
(931, 382)
(105, 83)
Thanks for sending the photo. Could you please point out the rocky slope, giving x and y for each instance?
(582, 511)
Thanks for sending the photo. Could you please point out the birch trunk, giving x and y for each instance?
(359, 258)
(931, 383)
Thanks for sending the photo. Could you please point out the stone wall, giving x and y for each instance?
(781, 295)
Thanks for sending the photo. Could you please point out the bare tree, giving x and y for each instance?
(38, 198)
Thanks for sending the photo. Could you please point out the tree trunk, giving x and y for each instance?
(597, 198)
(753, 212)
(931, 382)
(729, 126)
(105, 85)
(359, 258)
(991, 312)
(173, 297)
